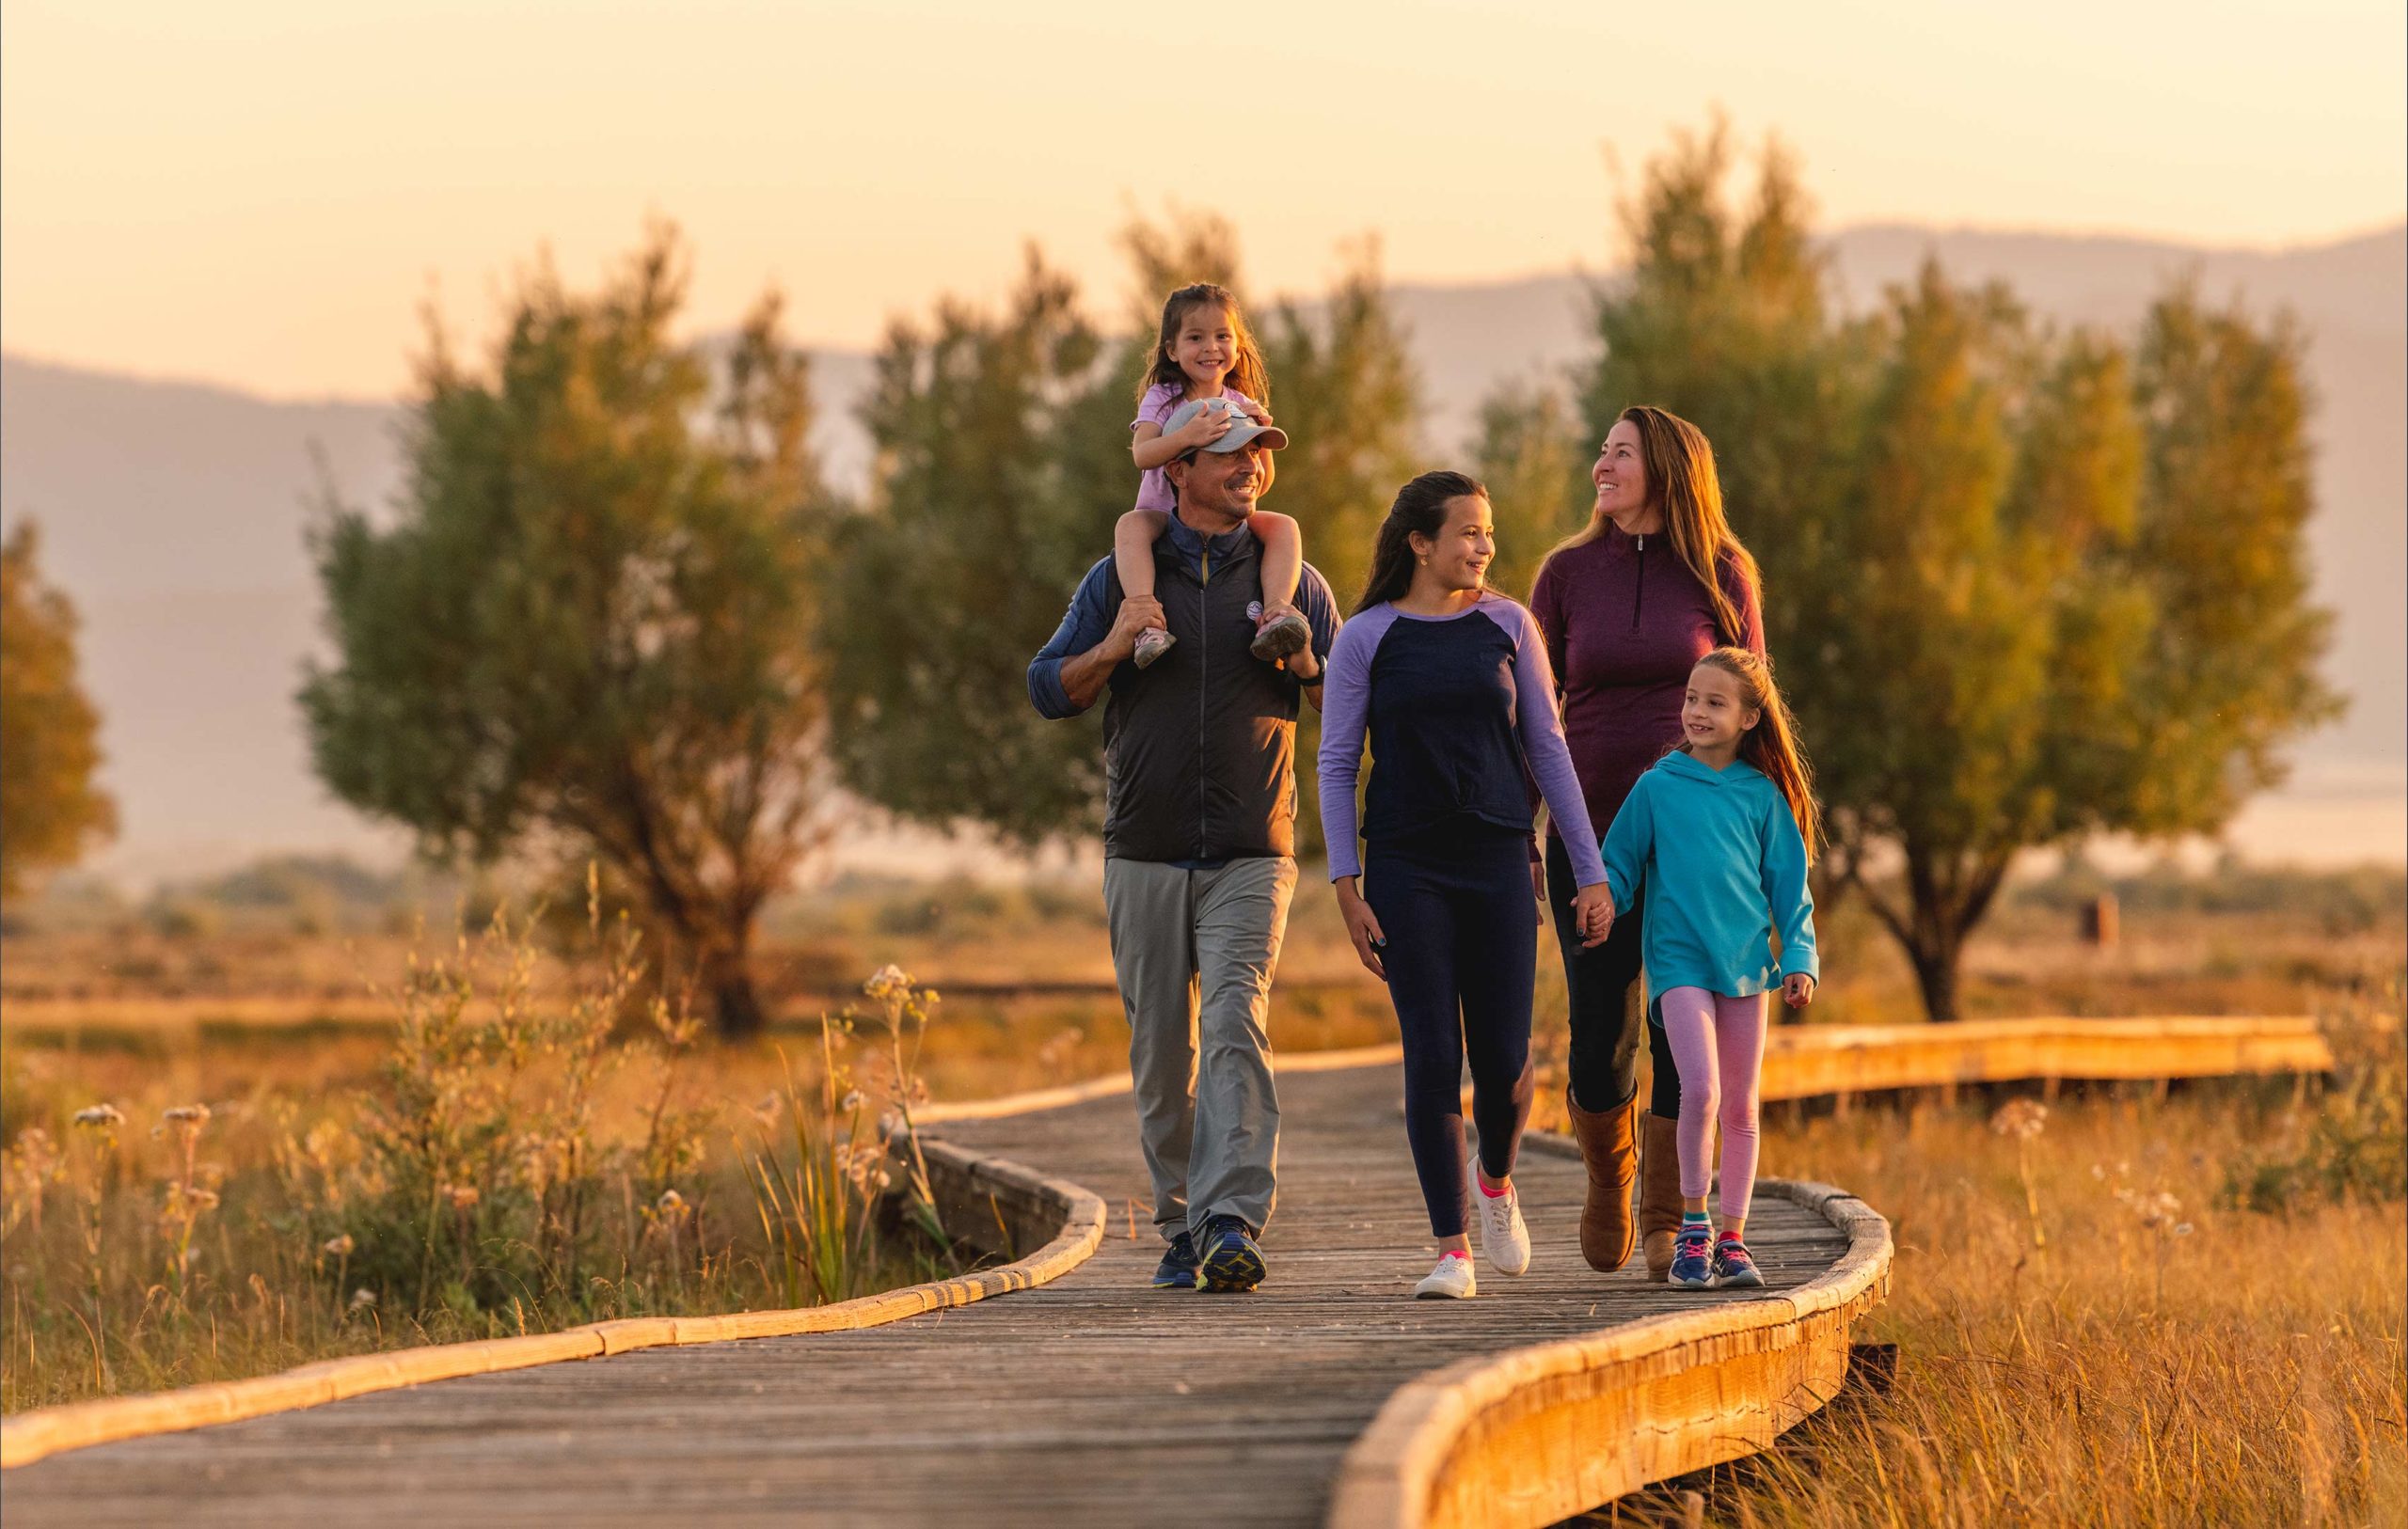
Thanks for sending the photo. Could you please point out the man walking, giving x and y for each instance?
(1199, 842)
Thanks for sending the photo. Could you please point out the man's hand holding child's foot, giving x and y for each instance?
(1279, 632)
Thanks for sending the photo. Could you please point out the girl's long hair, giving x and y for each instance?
(1421, 506)
(1680, 472)
(1771, 745)
(1246, 373)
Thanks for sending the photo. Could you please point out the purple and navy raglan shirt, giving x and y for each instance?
(1460, 713)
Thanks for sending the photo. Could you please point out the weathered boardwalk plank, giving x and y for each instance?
(1091, 1400)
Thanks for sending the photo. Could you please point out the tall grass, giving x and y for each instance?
(2104, 1318)
(524, 1161)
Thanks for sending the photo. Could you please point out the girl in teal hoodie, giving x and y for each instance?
(1718, 837)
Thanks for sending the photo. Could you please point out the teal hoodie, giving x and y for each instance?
(1721, 865)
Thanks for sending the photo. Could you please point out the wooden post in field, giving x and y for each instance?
(2101, 920)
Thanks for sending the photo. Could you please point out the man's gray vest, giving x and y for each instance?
(1200, 749)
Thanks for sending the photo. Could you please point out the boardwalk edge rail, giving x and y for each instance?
(988, 1191)
(1530, 1435)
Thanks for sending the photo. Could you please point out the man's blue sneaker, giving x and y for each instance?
(1176, 1271)
(1732, 1269)
(1231, 1259)
(1692, 1257)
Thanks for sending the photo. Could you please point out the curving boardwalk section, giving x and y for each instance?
(1090, 1400)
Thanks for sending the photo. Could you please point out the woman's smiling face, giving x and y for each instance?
(1619, 472)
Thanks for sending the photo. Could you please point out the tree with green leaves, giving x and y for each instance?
(1533, 452)
(2021, 587)
(51, 810)
(1722, 318)
(1344, 389)
(1001, 465)
(587, 625)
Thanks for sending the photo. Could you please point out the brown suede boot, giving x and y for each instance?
(1612, 1160)
(1659, 1193)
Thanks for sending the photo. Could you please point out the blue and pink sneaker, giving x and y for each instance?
(1732, 1269)
(1692, 1258)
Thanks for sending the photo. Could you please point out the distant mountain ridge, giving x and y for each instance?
(174, 512)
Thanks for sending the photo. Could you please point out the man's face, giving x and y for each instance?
(1222, 484)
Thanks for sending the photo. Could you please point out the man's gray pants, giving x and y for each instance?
(1194, 952)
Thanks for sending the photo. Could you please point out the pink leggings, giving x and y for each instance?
(1719, 1045)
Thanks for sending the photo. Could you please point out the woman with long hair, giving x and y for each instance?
(1654, 583)
(1450, 683)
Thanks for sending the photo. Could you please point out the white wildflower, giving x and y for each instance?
(2023, 1119)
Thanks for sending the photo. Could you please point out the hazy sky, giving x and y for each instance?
(261, 191)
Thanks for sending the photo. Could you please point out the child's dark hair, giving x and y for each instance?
(1246, 373)
(1771, 745)
(1421, 506)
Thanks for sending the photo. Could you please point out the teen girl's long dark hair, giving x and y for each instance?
(1421, 506)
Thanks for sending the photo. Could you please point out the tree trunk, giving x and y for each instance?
(1935, 963)
(735, 1007)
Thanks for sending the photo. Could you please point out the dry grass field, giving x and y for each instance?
(2185, 1313)
(2180, 1312)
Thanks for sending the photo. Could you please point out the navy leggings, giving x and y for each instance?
(1461, 928)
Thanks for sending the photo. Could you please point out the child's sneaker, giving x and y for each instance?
(1451, 1280)
(1280, 637)
(1692, 1257)
(1151, 644)
(1732, 1269)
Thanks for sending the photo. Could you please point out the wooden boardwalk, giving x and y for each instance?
(1089, 1400)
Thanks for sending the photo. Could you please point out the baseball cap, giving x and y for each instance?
(1236, 435)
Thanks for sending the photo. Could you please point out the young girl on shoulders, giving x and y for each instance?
(1205, 351)
(1719, 833)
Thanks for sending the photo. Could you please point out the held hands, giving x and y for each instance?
(1798, 989)
(1362, 928)
(1592, 913)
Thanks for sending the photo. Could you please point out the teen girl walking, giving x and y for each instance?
(1718, 834)
(1450, 683)
(1204, 352)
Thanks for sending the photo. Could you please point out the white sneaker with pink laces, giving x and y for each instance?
(1502, 1235)
(1452, 1280)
